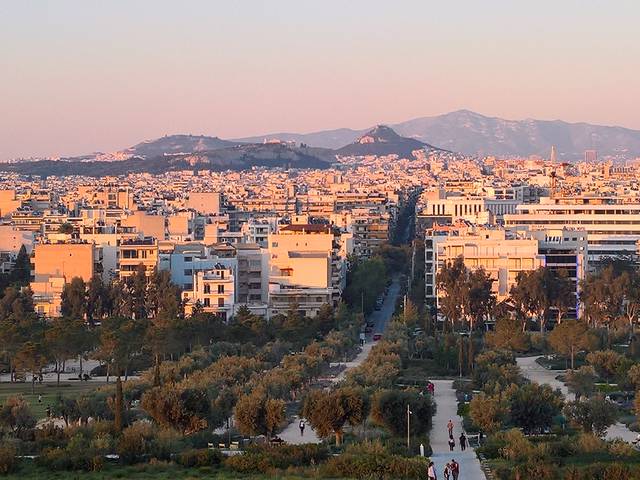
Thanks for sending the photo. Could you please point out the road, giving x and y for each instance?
(446, 408)
(537, 373)
(291, 434)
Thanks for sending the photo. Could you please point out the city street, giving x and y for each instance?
(381, 317)
(537, 373)
(446, 408)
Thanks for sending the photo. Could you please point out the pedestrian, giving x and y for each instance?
(450, 427)
(447, 471)
(452, 443)
(463, 441)
(302, 425)
(431, 472)
(48, 411)
(455, 469)
(39, 398)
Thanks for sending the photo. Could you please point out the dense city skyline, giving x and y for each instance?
(83, 78)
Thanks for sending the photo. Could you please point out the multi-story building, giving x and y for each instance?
(503, 254)
(307, 268)
(136, 252)
(213, 291)
(612, 223)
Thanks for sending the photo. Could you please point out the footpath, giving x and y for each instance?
(446, 409)
(537, 373)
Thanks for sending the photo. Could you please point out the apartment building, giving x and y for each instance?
(135, 252)
(612, 223)
(503, 254)
(253, 278)
(213, 291)
(307, 268)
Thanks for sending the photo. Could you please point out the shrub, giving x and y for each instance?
(375, 466)
(619, 448)
(8, 459)
(263, 459)
(249, 463)
(135, 441)
(202, 457)
(589, 443)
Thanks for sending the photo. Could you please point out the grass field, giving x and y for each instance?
(160, 471)
(49, 391)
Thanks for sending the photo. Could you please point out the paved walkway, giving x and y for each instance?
(291, 434)
(446, 408)
(537, 373)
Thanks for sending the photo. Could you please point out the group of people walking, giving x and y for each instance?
(452, 468)
(452, 442)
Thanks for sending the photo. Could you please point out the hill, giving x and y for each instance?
(472, 133)
(231, 158)
(175, 144)
(382, 140)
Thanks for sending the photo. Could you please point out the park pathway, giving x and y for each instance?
(380, 318)
(537, 373)
(446, 408)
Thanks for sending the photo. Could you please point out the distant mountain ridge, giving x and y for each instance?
(176, 144)
(471, 133)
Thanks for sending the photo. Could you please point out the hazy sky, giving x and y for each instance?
(79, 76)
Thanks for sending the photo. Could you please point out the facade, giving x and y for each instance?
(135, 252)
(503, 254)
(213, 291)
(612, 224)
(306, 268)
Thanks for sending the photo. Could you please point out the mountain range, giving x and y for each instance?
(471, 133)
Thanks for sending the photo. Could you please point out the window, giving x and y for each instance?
(207, 288)
(188, 272)
(207, 302)
(188, 259)
(274, 244)
(220, 288)
(221, 302)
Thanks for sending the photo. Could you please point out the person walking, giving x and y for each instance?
(302, 425)
(447, 471)
(450, 427)
(431, 472)
(452, 443)
(463, 441)
(455, 469)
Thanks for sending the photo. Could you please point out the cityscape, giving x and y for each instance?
(451, 294)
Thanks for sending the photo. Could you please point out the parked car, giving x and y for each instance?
(377, 336)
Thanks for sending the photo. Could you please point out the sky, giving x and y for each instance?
(80, 76)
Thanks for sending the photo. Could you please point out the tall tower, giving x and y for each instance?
(554, 155)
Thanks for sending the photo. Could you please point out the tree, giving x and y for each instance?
(450, 282)
(119, 339)
(508, 336)
(257, 414)
(31, 358)
(99, 299)
(16, 416)
(21, 273)
(74, 299)
(479, 300)
(594, 415)
(488, 412)
(65, 228)
(185, 409)
(328, 412)
(630, 283)
(534, 294)
(563, 293)
(64, 339)
(389, 410)
(569, 337)
(605, 362)
(582, 382)
(603, 296)
(533, 406)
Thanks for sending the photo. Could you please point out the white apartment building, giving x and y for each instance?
(213, 291)
(612, 224)
(503, 254)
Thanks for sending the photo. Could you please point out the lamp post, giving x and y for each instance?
(409, 412)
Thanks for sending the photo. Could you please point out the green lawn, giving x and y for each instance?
(49, 391)
(161, 471)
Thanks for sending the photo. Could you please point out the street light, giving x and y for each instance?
(409, 412)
